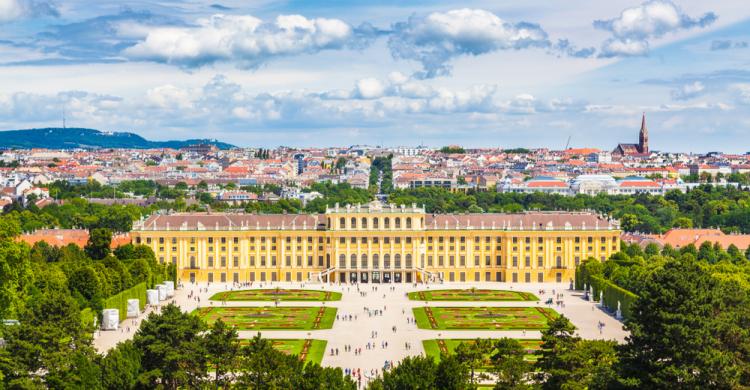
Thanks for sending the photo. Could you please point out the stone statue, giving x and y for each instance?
(601, 298)
(618, 314)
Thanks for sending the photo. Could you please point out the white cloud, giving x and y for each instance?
(245, 40)
(13, 10)
(369, 88)
(688, 91)
(169, 96)
(440, 36)
(741, 91)
(632, 29)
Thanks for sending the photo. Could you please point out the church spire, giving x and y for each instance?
(643, 136)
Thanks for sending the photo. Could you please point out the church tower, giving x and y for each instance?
(643, 137)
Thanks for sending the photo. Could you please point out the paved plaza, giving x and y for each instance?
(397, 311)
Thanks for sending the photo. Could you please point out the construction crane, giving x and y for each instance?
(567, 143)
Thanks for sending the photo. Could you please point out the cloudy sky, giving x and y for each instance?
(340, 72)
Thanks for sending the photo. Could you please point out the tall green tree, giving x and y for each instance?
(121, 366)
(223, 348)
(674, 334)
(509, 366)
(98, 245)
(173, 352)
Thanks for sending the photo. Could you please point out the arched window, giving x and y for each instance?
(387, 223)
(342, 261)
(354, 223)
(387, 261)
(364, 261)
(375, 223)
(354, 261)
(408, 260)
(342, 223)
(408, 222)
(398, 223)
(364, 223)
(329, 222)
(375, 261)
(397, 261)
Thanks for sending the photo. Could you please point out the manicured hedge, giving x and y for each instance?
(87, 317)
(120, 301)
(612, 295)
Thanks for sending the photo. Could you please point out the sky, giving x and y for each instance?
(533, 73)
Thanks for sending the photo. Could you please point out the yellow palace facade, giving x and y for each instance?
(377, 243)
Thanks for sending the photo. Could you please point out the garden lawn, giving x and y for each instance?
(483, 318)
(271, 318)
(435, 347)
(313, 350)
(471, 295)
(277, 294)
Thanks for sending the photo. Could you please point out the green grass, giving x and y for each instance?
(277, 294)
(271, 318)
(432, 348)
(469, 295)
(294, 347)
(483, 318)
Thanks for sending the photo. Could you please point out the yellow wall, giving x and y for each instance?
(300, 254)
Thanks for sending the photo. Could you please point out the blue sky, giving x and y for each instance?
(317, 73)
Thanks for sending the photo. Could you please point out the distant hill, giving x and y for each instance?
(71, 138)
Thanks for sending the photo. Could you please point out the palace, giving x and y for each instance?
(377, 243)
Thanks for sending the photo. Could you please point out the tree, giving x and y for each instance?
(413, 372)
(15, 276)
(121, 366)
(557, 340)
(673, 332)
(222, 346)
(509, 365)
(262, 367)
(451, 374)
(568, 362)
(473, 354)
(173, 352)
(98, 245)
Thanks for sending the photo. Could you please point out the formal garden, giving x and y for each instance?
(280, 294)
(483, 318)
(473, 294)
(271, 318)
(436, 348)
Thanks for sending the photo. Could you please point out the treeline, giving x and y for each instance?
(381, 166)
(171, 350)
(86, 275)
(76, 213)
(93, 189)
(705, 206)
(632, 266)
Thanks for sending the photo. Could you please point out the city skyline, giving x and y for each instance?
(333, 73)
